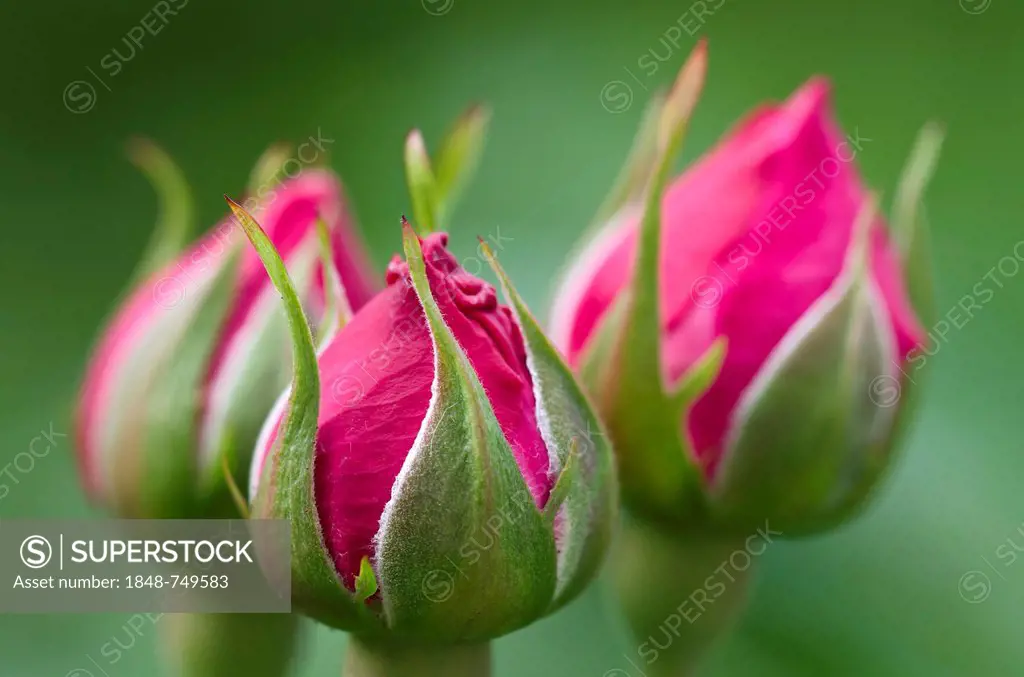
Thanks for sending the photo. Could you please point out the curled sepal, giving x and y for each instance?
(463, 553)
(285, 485)
(586, 485)
(177, 211)
(622, 368)
(811, 431)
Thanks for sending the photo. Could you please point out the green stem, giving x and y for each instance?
(216, 645)
(680, 593)
(370, 658)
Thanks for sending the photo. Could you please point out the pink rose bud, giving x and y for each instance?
(758, 255)
(183, 376)
(453, 484)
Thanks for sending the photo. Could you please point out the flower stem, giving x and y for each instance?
(214, 645)
(372, 658)
(679, 592)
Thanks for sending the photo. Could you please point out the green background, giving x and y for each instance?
(223, 79)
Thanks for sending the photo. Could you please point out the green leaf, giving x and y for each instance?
(458, 159)
(286, 483)
(572, 432)
(176, 222)
(463, 553)
(422, 185)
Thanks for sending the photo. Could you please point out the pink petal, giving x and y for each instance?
(794, 247)
(752, 235)
(377, 375)
(108, 417)
(687, 243)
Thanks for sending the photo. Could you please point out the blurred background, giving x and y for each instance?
(923, 584)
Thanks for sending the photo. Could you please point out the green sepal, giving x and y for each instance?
(366, 581)
(176, 222)
(909, 227)
(285, 489)
(460, 512)
(265, 174)
(227, 463)
(255, 390)
(662, 480)
(807, 430)
(337, 311)
(910, 232)
(435, 192)
(597, 369)
(458, 158)
(421, 182)
(622, 366)
(699, 377)
(571, 430)
(626, 197)
(567, 479)
(912, 238)
(635, 176)
(169, 485)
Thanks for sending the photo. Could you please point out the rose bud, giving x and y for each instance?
(745, 333)
(445, 477)
(194, 358)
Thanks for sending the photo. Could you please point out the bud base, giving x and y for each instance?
(214, 645)
(679, 592)
(371, 658)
